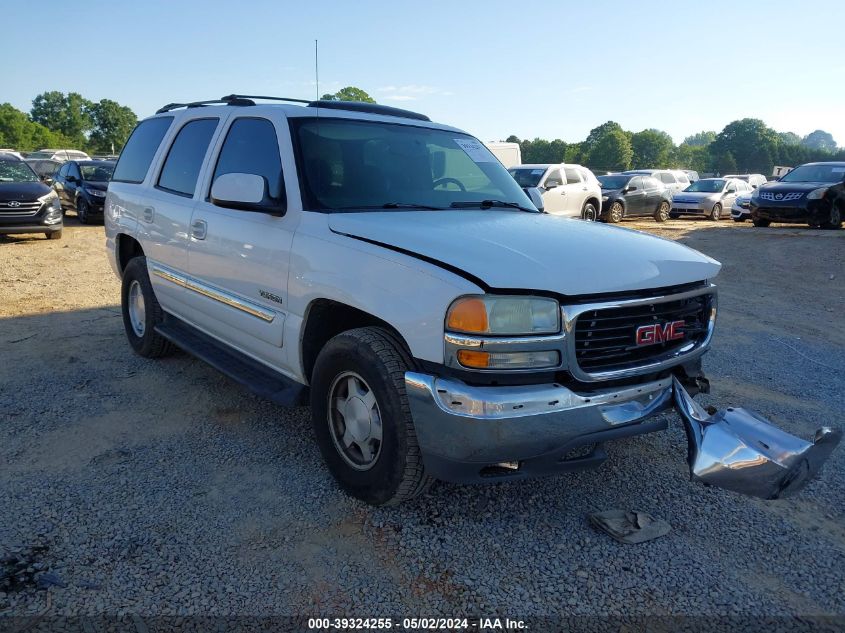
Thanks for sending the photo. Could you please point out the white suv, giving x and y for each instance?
(389, 271)
(568, 190)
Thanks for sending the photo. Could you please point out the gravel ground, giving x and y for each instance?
(163, 488)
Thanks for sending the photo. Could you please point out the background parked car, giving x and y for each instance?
(691, 174)
(674, 179)
(708, 197)
(568, 190)
(46, 168)
(59, 154)
(813, 193)
(741, 209)
(12, 152)
(82, 186)
(755, 180)
(27, 205)
(630, 195)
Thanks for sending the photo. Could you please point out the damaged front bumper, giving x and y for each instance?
(485, 433)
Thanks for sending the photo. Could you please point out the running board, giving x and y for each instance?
(256, 377)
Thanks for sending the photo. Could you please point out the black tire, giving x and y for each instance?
(54, 235)
(739, 219)
(397, 473)
(661, 214)
(835, 220)
(674, 216)
(589, 212)
(82, 211)
(761, 223)
(615, 213)
(149, 343)
(715, 212)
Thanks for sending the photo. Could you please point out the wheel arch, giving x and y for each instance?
(126, 248)
(326, 318)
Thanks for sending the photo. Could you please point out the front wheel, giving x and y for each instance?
(716, 212)
(362, 419)
(141, 311)
(835, 220)
(662, 212)
(761, 223)
(82, 211)
(615, 213)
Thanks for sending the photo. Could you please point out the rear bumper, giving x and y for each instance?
(476, 434)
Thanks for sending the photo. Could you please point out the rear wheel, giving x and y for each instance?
(82, 211)
(761, 223)
(835, 220)
(141, 311)
(362, 419)
(716, 212)
(615, 213)
(589, 212)
(662, 212)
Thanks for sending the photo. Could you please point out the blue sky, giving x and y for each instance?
(494, 68)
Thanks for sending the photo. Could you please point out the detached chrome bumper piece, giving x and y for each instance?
(474, 434)
(739, 450)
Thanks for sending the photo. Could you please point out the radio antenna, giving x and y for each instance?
(317, 67)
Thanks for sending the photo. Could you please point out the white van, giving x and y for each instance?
(509, 154)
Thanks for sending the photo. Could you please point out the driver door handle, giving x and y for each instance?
(199, 229)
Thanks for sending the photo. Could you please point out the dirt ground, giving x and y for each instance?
(81, 414)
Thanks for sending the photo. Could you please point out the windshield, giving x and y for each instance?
(708, 185)
(16, 171)
(348, 165)
(816, 173)
(97, 173)
(527, 176)
(744, 177)
(613, 182)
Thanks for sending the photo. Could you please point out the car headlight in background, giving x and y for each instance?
(95, 192)
(52, 199)
(605, 198)
(504, 315)
(817, 194)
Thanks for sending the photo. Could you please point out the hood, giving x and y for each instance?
(785, 187)
(23, 190)
(517, 250)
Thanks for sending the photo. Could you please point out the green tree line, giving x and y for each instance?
(743, 146)
(70, 120)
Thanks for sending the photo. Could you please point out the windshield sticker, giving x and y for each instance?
(838, 170)
(537, 172)
(475, 150)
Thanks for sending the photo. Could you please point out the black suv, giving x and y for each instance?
(27, 205)
(813, 194)
(82, 185)
(629, 195)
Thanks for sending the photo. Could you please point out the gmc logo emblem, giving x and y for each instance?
(657, 333)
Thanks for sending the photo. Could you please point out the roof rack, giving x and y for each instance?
(372, 108)
(354, 106)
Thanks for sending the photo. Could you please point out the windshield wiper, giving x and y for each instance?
(488, 204)
(393, 205)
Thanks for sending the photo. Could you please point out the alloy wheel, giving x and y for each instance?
(355, 421)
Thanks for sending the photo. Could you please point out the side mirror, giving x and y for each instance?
(47, 180)
(753, 186)
(536, 197)
(245, 192)
(71, 178)
(629, 189)
(550, 185)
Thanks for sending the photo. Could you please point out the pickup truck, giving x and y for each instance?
(388, 271)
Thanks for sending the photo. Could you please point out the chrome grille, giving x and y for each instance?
(780, 197)
(605, 338)
(19, 207)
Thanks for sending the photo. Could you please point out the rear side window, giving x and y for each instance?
(137, 154)
(251, 147)
(572, 175)
(668, 178)
(184, 159)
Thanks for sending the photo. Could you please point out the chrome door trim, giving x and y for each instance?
(226, 298)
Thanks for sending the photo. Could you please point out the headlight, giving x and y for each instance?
(53, 199)
(95, 192)
(605, 198)
(504, 315)
(817, 194)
